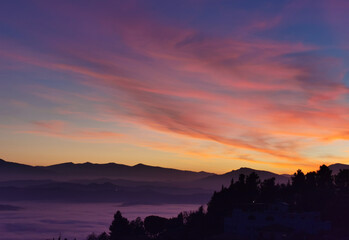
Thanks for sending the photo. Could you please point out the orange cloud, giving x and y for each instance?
(257, 95)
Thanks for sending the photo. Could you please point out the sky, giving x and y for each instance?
(196, 85)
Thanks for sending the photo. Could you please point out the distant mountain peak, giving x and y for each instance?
(243, 169)
(246, 168)
(339, 164)
(140, 165)
(87, 163)
(64, 164)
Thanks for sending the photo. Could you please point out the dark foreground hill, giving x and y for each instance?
(313, 205)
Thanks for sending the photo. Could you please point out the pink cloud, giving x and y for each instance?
(60, 129)
(244, 93)
(50, 126)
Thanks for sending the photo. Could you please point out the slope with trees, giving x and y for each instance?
(319, 191)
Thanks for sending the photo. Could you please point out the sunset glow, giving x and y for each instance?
(184, 84)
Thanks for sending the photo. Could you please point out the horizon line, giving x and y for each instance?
(156, 166)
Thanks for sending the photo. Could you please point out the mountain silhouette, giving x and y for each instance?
(11, 170)
(132, 176)
(138, 172)
(338, 166)
(216, 181)
(112, 182)
(68, 171)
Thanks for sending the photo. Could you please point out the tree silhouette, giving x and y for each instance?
(318, 191)
(342, 179)
(137, 227)
(298, 181)
(310, 180)
(252, 186)
(324, 177)
(119, 227)
(155, 225)
(268, 190)
(92, 236)
(103, 236)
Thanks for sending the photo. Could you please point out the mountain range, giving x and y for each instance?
(139, 173)
(68, 171)
(111, 182)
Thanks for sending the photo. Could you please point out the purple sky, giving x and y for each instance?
(199, 85)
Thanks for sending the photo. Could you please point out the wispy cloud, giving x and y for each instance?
(60, 129)
(252, 86)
